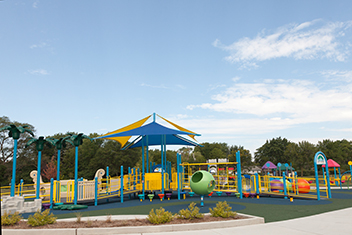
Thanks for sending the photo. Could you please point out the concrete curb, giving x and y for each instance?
(250, 220)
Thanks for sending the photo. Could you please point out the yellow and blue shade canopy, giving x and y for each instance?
(154, 132)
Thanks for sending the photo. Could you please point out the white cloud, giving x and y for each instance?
(309, 40)
(40, 45)
(38, 72)
(280, 105)
(338, 75)
(161, 86)
(35, 4)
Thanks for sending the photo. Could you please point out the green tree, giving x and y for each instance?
(15, 133)
(246, 157)
(273, 151)
(213, 150)
(39, 144)
(305, 160)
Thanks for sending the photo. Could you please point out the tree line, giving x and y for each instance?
(101, 153)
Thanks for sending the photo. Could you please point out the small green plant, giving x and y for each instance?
(191, 213)
(223, 210)
(108, 219)
(8, 219)
(89, 223)
(79, 217)
(40, 219)
(160, 216)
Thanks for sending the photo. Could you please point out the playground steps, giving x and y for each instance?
(17, 204)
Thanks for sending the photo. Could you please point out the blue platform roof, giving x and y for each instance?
(156, 140)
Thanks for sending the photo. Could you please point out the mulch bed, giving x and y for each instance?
(115, 223)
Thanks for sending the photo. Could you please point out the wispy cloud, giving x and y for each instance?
(40, 45)
(161, 86)
(35, 4)
(309, 40)
(282, 104)
(44, 46)
(38, 72)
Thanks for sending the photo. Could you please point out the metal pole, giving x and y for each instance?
(76, 175)
(121, 187)
(58, 165)
(162, 165)
(13, 181)
(38, 174)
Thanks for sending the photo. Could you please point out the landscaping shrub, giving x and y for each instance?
(79, 217)
(191, 213)
(223, 210)
(8, 219)
(40, 219)
(160, 216)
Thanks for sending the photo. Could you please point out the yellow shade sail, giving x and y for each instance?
(123, 139)
(179, 127)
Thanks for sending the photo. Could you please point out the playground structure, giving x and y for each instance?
(151, 185)
(129, 185)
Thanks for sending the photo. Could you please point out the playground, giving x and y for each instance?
(275, 195)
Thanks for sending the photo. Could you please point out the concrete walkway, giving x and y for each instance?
(335, 222)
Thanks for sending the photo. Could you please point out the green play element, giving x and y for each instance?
(202, 182)
(70, 207)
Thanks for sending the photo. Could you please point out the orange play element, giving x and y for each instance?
(303, 186)
(161, 196)
(246, 194)
(210, 194)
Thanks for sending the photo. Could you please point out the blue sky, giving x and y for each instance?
(239, 72)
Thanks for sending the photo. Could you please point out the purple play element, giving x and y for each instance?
(269, 165)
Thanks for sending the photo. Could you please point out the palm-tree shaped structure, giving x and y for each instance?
(77, 140)
(59, 144)
(15, 133)
(39, 143)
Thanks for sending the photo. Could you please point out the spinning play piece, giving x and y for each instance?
(202, 183)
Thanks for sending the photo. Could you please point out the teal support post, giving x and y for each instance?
(296, 182)
(96, 191)
(147, 155)
(143, 188)
(129, 181)
(335, 177)
(284, 182)
(162, 164)
(38, 174)
(340, 175)
(138, 178)
(76, 176)
(165, 161)
(108, 190)
(178, 176)
(239, 173)
(13, 180)
(121, 187)
(21, 187)
(58, 165)
(134, 178)
(51, 193)
(107, 181)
